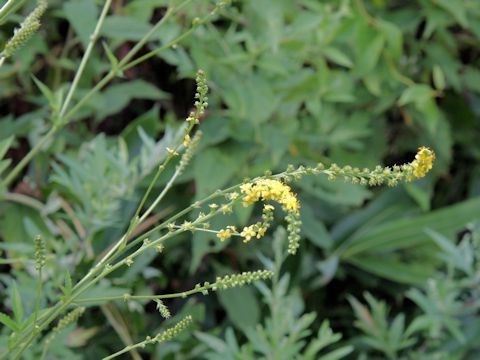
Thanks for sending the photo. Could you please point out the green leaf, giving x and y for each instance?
(67, 288)
(314, 229)
(45, 91)
(17, 305)
(213, 169)
(394, 38)
(241, 306)
(111, 57)
(82, 15)
(337, 56)
(125, 28)
(5, 145)
(456, 8)
(118, 96)
(9, 322)
(417, 94)
(438, 78)
(404, 233)
(394, 269)
(368, 51)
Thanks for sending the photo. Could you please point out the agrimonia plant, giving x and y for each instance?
(273, 190)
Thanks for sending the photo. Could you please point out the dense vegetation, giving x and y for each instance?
(381, 272)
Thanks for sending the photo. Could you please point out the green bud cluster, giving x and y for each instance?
(40, 251)
(172, 332)
(245, 278)
(201, 99)
(378, 176)
(27, 29)
(188, 154)
(202, 90)
(163, 309)
(293, 231)
(71, 317)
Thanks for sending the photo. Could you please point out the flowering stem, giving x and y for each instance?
(123, 65)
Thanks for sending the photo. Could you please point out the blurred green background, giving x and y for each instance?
(296, 82)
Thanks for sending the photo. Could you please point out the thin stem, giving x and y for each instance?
(126, 349)
(26, 159)
(37, 297)
(121, 329)
(86, 57)
(127, 297)
(62, 120)
(23, 199)
(162, 194)
(7, 7)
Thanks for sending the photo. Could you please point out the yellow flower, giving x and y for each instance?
(224, 234)
(423, 162)
(226, 209)
(261, 231)
(248, 232)
(186, 140)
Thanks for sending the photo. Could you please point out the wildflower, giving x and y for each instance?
(187, 226)
(27, 29)
(213, 206)
(423, 162)
(39, 252)
(230, 281)
(224, 234)
(172, 152)
(269, 189)
(186, 140)
(226, 209)
(173, 331)
(261, 231)
(162, 309)
(232, 196)
(248, 233)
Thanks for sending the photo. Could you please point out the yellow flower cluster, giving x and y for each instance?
(253, 231)
(248, 233)
(423, 162)
(227, 233)
(269, 189)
